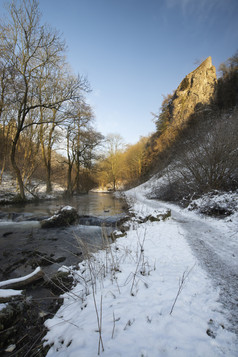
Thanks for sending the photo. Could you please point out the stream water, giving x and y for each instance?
(24, 245)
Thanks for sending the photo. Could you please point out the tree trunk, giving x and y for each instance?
(16, 168)
(77, 176)
(49, 152)
(48, 179)
(69, 181)
(3, 168)
(114, 184)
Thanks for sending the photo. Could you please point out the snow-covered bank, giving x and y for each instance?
(214, 241)
(144, 295)
(8, 190)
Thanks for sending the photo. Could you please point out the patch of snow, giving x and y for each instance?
(131, 292)
(52, 218)
(67, 208)
(41, 188)
(3, 306)
(8, 184)
(226, 201)
(10, 348)
(8, 189)
(4, 293)
(57, 214)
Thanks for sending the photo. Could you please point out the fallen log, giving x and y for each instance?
(22, 281)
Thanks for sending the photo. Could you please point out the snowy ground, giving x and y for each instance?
(8, 189)
(155, 292)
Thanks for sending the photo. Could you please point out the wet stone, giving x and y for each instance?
(64, 217)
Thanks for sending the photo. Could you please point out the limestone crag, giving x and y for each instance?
(198, 87)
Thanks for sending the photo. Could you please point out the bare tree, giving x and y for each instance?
(206, 157)
(81, 140)
(5, 127)
(29, 49)
(112, 165)
(27, 155)
(65, 88)
(86, 140)
(135, 160)
(82, 122)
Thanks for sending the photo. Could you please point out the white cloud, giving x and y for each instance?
(201, 7)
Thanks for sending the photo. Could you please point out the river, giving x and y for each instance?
(24, 245)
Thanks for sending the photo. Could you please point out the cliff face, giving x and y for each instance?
(198, 87)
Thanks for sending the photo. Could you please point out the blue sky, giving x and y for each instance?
(134, 51)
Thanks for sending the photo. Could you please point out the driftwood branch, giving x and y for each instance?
(23, 281)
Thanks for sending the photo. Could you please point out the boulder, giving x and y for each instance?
(117, 234)
(156, 217)
(64, 217)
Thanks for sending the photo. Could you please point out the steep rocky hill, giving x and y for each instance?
(194, 94)
(196, 89)
(195, 147)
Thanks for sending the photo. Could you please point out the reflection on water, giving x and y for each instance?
(95, 204)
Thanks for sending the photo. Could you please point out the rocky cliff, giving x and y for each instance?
(197, 88)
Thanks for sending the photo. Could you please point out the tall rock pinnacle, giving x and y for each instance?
(197, 87)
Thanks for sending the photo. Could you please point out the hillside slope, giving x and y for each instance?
(196, 143)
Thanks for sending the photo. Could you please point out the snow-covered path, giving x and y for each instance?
(154, 292)
(218, 255)
(215, 245)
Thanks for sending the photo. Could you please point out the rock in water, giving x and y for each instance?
(64, 217)
(198, 87)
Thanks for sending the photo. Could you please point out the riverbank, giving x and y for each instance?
(34, 192)
(24, 245)
(148, 294)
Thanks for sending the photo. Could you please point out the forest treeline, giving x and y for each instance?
(42, 104)
(47, 128)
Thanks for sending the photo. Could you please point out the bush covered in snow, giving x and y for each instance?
(216, 203)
